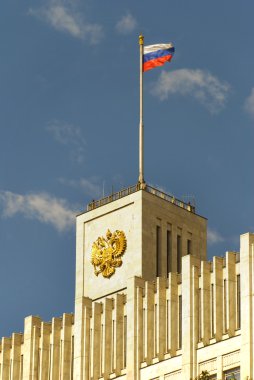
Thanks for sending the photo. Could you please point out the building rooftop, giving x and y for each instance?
(132, 189)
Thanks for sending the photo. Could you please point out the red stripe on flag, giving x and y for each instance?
(156, 62)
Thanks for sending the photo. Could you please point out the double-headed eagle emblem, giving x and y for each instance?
(107, 253)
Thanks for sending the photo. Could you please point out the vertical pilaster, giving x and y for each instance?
(16, 341)
(119, 307)
(65, 364)
(149, 321)
(231, 292)
(5, 358)
(140, 324)
(218, 296)
(96, 346)
(107, 337)
(45, 351)
(195, 305)
(205, 302)
(86, 338)
(161, 317)
(132, 337)
(28, 347)
(247, 316)
(172, 313)
(187, 315)
(35, 353)
(81, 361)
(55, 347)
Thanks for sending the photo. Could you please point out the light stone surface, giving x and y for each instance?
(128, 327)
(137, 215)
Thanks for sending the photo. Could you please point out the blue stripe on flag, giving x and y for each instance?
(157, 54)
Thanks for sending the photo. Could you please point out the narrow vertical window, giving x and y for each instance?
(225, 304)
(158, 251)
(189, 247)
(180, 322)
(238, 300)
(169, 252)
(212, 310)
(179, 254)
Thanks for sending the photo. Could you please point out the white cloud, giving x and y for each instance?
(66, 18)
(126, 24)
(214, 237)
(69, 135)
(38, 206)
(89, 186)
(249, 103)
(200, 84)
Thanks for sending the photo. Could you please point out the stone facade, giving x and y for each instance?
(144, 323)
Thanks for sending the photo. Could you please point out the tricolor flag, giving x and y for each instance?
(157, 55)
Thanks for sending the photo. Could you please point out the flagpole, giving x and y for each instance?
(141, 125)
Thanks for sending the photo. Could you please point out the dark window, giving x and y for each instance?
(169, 252)
(188, 247)
(158, 251)
(232, 374)
(179, 254)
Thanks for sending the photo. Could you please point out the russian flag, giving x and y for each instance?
(157, 55)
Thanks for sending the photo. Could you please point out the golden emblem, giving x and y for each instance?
(107, 253)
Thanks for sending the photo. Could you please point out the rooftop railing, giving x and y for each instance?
(133, 189)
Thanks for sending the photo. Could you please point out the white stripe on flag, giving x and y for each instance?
(152, 48)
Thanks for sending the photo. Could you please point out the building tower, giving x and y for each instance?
(158, 231)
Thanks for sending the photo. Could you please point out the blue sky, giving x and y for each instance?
(69, 114)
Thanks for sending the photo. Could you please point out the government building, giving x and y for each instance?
(148, 304)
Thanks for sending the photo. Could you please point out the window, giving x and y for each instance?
(169, 252)
(232, 374)
(188, 247)
(179, 254)
(158, 251)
